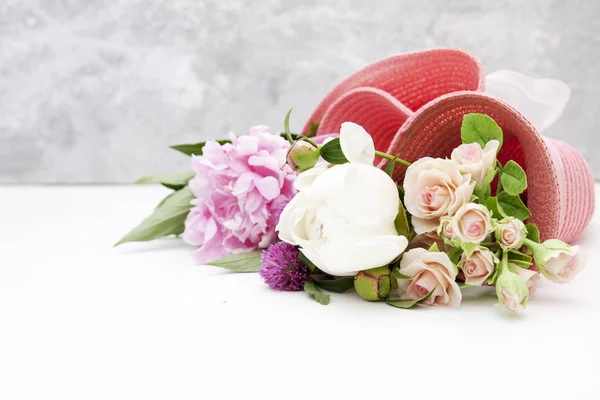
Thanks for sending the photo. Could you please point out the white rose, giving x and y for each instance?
(511, 233)
(474, 160)
(434, 188)
(472, 223)
(478, 267)
(430, 271)
(563, 264)
(343, 219)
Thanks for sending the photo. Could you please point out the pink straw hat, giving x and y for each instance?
(413, 105)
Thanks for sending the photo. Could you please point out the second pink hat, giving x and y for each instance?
(413, 105)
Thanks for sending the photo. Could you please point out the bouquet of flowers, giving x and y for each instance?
(342, 222)
(330, 213)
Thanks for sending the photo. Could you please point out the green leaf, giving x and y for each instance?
(480, 128)
(513, 206)
(396, 274)
(312, 268)
(405, 304)
(492, 205)
(312, 289)
(533, 232)
(194, 148)
(166, 219)
(173, 180)
(332, 152)
(401, 222)
(489, 176)
(390, 167)
(337, 285)
(520, 259)
(469, 248)
(455, 254)
(312, 131)
(513, 178)
(244, 262)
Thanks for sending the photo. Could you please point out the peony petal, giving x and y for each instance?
(346, 259)
(268, 187)
(357, 145)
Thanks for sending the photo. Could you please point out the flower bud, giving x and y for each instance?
(302, 155)
(511, 233)
(511, 290)
(373, 284)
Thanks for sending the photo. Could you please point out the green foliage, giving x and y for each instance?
(167, 219)
(336, 285)
(332, 152)
(173, 180)
(533, 232)
(194, 148)
(513, 206)
(480, 128)
(313, 290)
(405, 304)
(513, 178)
(244, 262)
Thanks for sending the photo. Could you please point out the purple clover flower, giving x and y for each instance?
(282, 269)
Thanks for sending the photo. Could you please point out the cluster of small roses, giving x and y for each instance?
(481, 245)
(349, 224)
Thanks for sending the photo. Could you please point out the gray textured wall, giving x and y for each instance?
(95, 90)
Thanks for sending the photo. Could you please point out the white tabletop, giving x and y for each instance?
(81, 320)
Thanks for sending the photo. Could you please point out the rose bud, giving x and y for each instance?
(302, 155)
(511, 290)
(373, 284)
(557, 260)
(531, 277)
(511, 233)
(472, 223)
(446, 231)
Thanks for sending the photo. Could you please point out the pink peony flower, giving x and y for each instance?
(239, 187)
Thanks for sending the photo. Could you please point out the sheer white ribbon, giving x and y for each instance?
(542, 101)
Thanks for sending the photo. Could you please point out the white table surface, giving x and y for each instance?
(81, 320)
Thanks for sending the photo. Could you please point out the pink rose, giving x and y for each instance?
(472, 223)
(434, 188)
(474, 160)
(511, 233)
(430, 271)
(239, 187)
(563, 265)
(478, 267)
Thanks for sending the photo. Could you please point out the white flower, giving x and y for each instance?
(472, 159)
(357, 145)
(434, 188)
(343, 219)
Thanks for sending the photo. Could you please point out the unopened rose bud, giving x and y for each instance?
(511, 290)
(373, 284)
(511, 233)
(302, 155)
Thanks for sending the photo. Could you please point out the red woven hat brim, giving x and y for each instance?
(405, 82)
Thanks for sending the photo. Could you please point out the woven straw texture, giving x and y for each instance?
(413, 106)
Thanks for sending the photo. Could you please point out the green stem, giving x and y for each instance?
(390, 157)
(499, 187)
